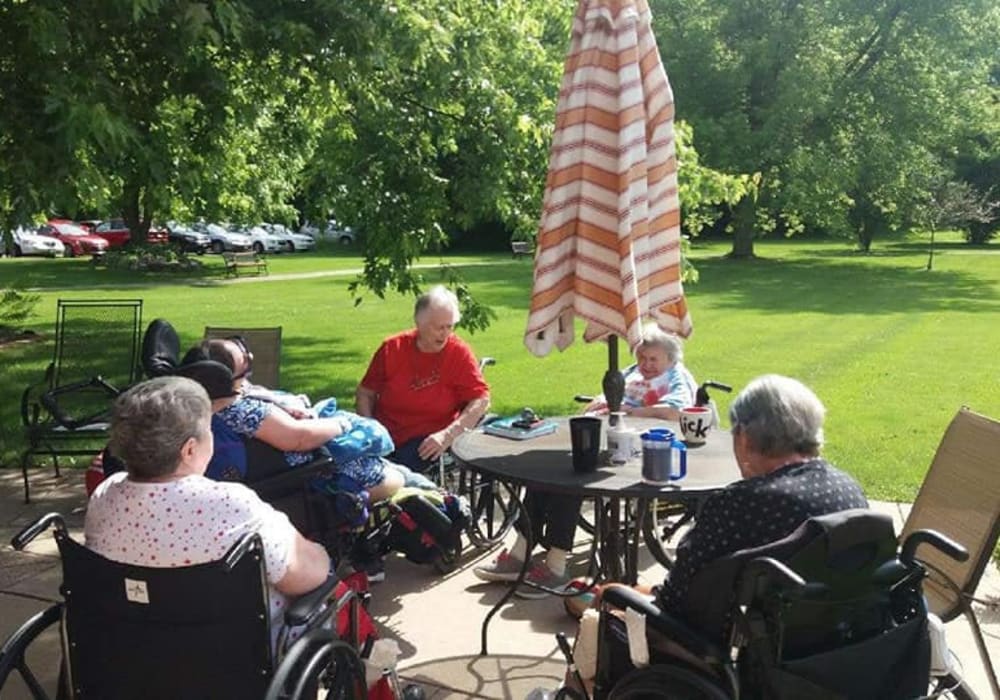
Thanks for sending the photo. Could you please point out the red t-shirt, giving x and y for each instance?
(422, 392)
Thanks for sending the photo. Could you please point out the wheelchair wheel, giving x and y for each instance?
(319, 661)
(662, 522)
(666, 682)
(493, 508)
(13, 656)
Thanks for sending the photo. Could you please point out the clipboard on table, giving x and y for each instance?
(516, 428)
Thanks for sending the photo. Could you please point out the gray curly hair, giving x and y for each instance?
(151, 422)
(780, 415)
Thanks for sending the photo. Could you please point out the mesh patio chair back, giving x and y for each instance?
(97, 338)
(265, 344)
(960, 497)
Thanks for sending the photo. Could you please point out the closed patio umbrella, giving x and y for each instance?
(608, 246)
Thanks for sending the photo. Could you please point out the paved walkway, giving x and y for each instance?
(435, 619)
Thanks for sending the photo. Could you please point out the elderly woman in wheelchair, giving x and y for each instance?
(729, 589)
(358, 446)
(184, 587)
(259, 417)
(163, 511)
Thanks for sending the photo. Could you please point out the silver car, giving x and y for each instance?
(289, 239)
(225, 240)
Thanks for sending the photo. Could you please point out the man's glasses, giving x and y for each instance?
(240, 342)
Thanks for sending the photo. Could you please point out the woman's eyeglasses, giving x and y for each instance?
(240, 342)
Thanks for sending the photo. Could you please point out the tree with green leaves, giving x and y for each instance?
(135, 106)
(839, 106)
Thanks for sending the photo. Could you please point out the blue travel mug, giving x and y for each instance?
(658, 446)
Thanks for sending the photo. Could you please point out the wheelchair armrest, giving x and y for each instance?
(663, 622)
(32, 530)
(940, 542)
(304, 608)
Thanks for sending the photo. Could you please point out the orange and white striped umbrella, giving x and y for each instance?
(608, 246)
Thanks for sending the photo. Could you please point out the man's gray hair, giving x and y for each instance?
(151, 422)
(655, 337)
(437, 297)
(780, 415)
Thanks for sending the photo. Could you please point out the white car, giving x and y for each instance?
(289, 239)
(262, 241)
(223, 239)
(27, 242)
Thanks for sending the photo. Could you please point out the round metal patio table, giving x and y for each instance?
(546, 464)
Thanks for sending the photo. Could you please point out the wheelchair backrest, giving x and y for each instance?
(839, 551)
(201, 631)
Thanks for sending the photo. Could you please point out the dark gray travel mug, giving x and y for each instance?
(585, 436)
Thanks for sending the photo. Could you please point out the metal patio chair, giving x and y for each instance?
(96, 357)
(266, 346)
(961, 496)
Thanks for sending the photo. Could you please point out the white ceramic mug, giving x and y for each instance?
(696, 422)
(623, 445)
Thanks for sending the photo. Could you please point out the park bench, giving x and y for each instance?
(519, 248)
(246, 260)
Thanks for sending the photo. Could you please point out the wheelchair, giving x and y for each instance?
(201, 631)
(325, 509)
(832, 611)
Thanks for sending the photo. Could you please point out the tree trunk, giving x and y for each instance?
(135, 211)
(864, 237)
(744, 217)
(930, 253)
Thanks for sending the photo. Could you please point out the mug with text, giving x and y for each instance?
(696, 421)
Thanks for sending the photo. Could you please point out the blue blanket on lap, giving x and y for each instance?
(366, 438)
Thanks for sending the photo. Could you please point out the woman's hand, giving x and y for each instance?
(299, 413)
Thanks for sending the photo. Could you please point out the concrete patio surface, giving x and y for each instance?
(435, 619)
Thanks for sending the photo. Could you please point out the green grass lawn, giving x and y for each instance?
(893, 350)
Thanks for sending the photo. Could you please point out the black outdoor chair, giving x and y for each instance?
(96, 357)
(829, 612)
(200, 631)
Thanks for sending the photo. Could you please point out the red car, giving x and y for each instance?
(116, 233)
(74, 238)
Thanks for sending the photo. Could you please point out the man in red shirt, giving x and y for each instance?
(424, 384)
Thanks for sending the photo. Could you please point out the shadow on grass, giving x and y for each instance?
(850, 286)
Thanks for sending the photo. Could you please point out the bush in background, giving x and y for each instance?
(15, 306)
(150, 258)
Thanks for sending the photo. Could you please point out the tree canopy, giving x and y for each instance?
(418, 120)
(842, 107)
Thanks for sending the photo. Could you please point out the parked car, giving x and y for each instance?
(27, 242)
(289, 239)
(222, 239)
(117, 234)
(187, 239)
(332, 230)
(262, 241)
(74, 238)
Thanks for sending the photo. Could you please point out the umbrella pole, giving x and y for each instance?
(613, 383)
